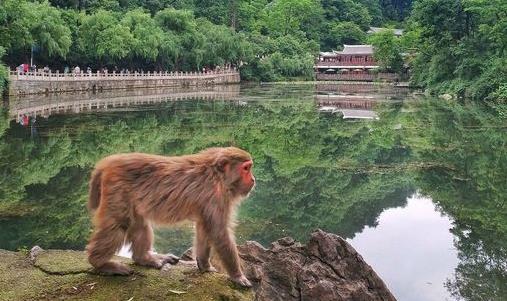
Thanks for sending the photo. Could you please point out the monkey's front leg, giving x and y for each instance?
(223, 241)
(202, 249)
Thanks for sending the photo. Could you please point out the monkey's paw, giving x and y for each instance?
(242, 281)
(209, 269)
(114, 268)
(168, 258)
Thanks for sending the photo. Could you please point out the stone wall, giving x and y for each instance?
(23, 84)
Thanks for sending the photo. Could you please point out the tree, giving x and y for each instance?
(4, 74)
(283, 17)
(387, 50)
(347, 10)
(341, 33)
(104, 39)
(146, 35)
(24, 25)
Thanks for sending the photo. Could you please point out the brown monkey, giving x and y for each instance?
(129, 191)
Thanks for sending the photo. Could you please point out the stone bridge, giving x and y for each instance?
(48, 82)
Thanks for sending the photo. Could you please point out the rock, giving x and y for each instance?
(34, 252)
(447, 96)
(326, 268)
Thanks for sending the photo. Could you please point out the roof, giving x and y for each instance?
(325, 54)
(356, 49)
(397, 32)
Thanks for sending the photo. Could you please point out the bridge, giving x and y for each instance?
(41, 82)
(117, 100)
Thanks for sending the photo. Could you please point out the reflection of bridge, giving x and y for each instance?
(40, 105)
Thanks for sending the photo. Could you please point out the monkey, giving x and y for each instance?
(129, 192)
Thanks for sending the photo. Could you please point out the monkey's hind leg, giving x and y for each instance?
(105, 242)
(140, 235)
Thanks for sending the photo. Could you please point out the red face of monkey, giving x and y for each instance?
(247, 179)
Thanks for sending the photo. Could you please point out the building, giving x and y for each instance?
(352, 57)
(354, 62)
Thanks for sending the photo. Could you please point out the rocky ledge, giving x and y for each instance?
(327, 268)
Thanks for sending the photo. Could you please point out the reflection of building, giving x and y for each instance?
(354, 62)
(355, 100)
(350, 106)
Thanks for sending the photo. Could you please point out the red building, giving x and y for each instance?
(354, 62)
(350, 58)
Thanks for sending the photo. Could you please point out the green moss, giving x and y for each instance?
(57, 275)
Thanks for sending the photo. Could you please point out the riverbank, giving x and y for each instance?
(327, 268)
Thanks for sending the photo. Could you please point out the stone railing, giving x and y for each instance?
(82, 75)
(55, 82)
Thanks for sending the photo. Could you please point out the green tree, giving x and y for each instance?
(103, 38)
(4, 74)
(287, 17)
(387, 50)
(341, 33)
(347, 10)
(27, 24)
(146, 35)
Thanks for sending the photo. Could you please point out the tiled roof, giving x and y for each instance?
(357, 49)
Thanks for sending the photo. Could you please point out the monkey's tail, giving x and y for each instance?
(94, 194)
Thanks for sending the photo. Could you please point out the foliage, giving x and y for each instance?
(26, 24)
(183, 34)
(387, 50)
(4, 73)
(340, 33)
(461, 47)
(454, 46)
(103, 38)
(313, 170)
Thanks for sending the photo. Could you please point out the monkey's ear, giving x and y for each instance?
(221, 164)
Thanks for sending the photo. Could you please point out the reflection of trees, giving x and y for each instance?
(313, 171)
(309, 167)
(467, 140)
(57, 217)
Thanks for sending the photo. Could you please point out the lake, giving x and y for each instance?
(417, 185)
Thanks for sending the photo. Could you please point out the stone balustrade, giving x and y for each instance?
(21, 83)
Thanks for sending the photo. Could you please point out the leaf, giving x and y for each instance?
(177, 292)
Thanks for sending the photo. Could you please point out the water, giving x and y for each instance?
(420, 191)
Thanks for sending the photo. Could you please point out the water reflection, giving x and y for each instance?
(113, 100)
(314, 171)
(421, 231)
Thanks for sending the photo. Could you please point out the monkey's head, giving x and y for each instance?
(236, 166)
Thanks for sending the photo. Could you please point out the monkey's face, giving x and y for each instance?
(246, 177)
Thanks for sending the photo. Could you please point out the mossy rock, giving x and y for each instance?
(66, 275)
